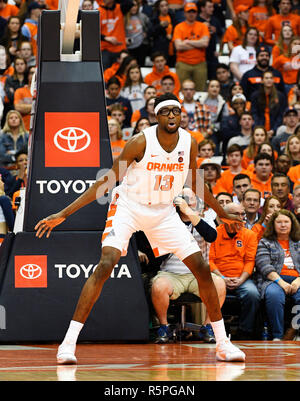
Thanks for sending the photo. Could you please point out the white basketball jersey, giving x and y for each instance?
(159, 176)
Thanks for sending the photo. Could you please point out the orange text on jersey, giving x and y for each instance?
(165, 166)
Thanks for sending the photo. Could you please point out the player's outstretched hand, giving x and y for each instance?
(46, 225)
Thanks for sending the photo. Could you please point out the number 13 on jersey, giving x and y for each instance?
(163, 182)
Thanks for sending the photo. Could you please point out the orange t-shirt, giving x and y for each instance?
(154, 78)
(112, 24)
(24, 95)
(52, 4)
(225, 182)
(197, 135)
(275, 24)
(259, 230)
(258, 17)
(294, 174)
(9, 10)
(286, 67)
(264, 187)
(231, 35)
(276, 52)
(234, 256)
(289, 269)
(117, 147)
(195, 31)
(110, 72)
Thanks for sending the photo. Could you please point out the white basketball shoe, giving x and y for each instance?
(66, 354)
(226, 351)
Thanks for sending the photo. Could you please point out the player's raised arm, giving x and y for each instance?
(133, 150)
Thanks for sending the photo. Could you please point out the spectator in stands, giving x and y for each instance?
(251, 203)
(116, 138)
(8, 10)
(207, 16)
(283, 164)
(288, 64)
(278, 267)
(118, 113)
(150, 111)
(7, 217)
(25, 51)
(199, 116)
(241, 182)
(235, 89)
(21, 175)
(292, 149)
(159, 70)
(214, 103)
(162, 26)
(137, 26)
(17, 80)
(243, 137)
(234, 159)
(13, 137)
(251, 80)
(113, 96)
(174, 278)
(141, 124)
(291, 120)
(134, 87)
(296, 201)
(206, 150)
(30, 26)
(230, 124)
(112, 70)
(184, 123)
(224, 76)
(271, 205)
(13, 36)
(224, 198)
(191, 38)
(243, 57)
(259, 14)
(266, 147)
(234, 34)
(23, 99)
(277, 21)
(259, 135)
(294, 175)
(232, 256)
(168, 85)
(284, 39)
(113, 39)
(268, 104)
(212, 172)
(262, 174)
(280, 186)
(149, 92)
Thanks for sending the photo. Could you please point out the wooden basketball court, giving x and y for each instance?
(186, 361)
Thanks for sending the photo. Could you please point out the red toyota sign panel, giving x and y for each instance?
(30, 271)
(72, 140)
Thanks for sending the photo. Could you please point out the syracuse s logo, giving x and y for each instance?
(30, 271)
(72, 139)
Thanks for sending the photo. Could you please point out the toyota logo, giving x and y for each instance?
(72, 139)
(30, 271)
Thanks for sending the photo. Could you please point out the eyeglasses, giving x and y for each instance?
(166, 111)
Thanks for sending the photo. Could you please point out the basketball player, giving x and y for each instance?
(153, 168)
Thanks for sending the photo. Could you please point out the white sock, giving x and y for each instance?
(73, 332)
(219, 330)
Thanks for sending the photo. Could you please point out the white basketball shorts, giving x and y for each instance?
(162, 225)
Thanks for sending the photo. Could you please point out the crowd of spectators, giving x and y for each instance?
(234, 65)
